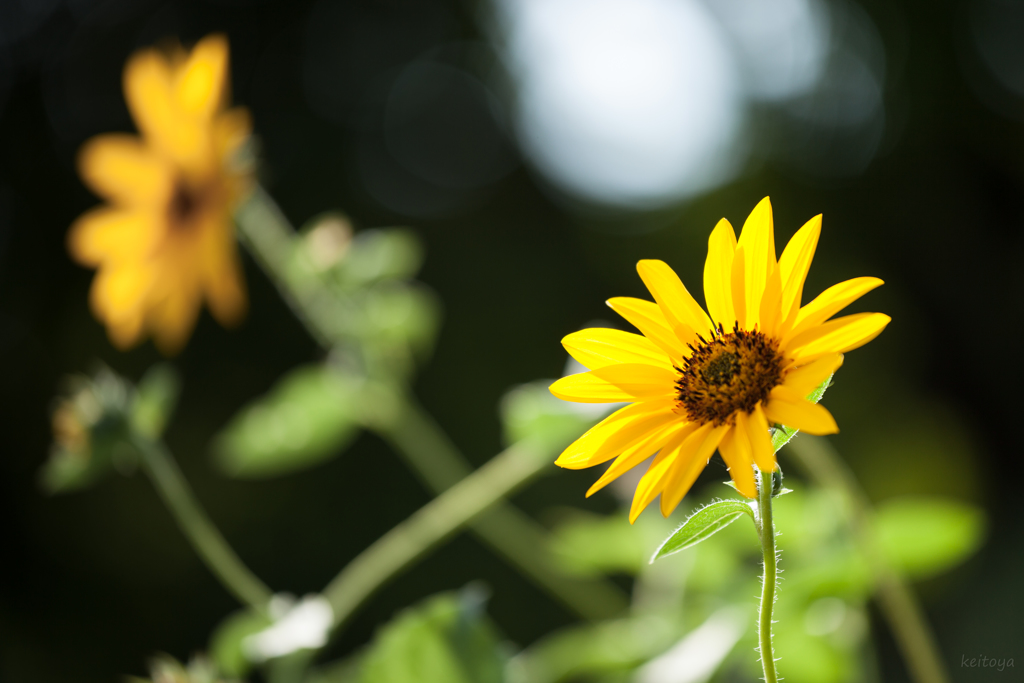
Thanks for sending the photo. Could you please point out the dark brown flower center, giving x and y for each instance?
(728, 373)
(185, 206)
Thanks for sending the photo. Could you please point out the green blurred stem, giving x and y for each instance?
(822, 463)
(268, 235)
(430, 525)
(508, 531)
(205, 538)
(766, 530)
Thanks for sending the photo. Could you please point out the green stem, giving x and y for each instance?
(431, 524)
(265, 231)
(910, 628)
(269, 237)
(507, 530)
(766, 530)
(197, 527)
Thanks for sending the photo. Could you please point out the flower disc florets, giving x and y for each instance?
(728, 373)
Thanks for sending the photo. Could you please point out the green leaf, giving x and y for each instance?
(375, 255)
(156, 398)
(782, 434)
(702, 524)
(306, 419)
(447, 638)
(922, 537)
(226, 642)
(403, 314)
(531, 411)
(66, 472)
(340, 671)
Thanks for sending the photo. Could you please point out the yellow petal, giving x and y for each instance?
(770, 316)
(118, 293)
(718, 275)
(601, 346)
(618, 432)
(231, 129)
(807, 378)
(201, 87)
(121, 168)
(735, 450)
(690, 458)
(739, 287)
(148, 90)
(108, 234)
(787, 407)
(648, 318)
(225, 291)
(836, 336)
(173, 319)
(126, 332)
(679, 307)
(761, 440)
(221, 272)
(794, 264)
(757, 242)
(625, 382)
(831, 301)
(651, 484)
(639, 452)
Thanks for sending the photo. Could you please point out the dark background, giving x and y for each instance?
(95, 582)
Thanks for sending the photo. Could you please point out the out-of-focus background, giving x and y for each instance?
(539, 148)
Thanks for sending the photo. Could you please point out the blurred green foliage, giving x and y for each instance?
(821, 629)
(166, 669)
(94, 420)
(446, 638)
(226, 648)
(922, 537)
(309, 416)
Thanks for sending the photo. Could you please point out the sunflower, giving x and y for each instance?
(165, 240)
(697, 381)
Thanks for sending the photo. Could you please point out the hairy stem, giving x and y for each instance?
(822, 463)
(197, 527)
(766, 530)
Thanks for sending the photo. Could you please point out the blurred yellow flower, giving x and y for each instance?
(165, 240)
(697, 382)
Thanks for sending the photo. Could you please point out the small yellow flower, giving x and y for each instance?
(165, 240)
(697, 382)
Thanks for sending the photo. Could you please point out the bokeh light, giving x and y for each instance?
(782, 44)
(625, 102)
(645, 104)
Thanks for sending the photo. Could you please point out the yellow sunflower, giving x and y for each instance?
(700, 381)
(165, 240)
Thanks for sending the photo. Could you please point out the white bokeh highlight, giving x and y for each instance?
(639, 104)
(782, 45)
(633, 102)
(297, 626)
